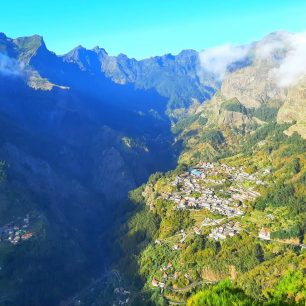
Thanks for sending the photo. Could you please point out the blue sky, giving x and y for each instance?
(149, 27)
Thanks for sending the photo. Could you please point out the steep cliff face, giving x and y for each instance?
(252, 86)
(257, 83)
(254, 94)
(87, 113)
(294, 109)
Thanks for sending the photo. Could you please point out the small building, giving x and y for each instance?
(176, 247)
(197, 231)
(195, 172)
(176, 275)
(264, 234)
(155, 282)
(26, 236)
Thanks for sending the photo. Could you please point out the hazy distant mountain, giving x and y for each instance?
(174, 77)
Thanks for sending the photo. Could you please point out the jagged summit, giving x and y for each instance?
(76, 51)
(99, 50)
(30, 42)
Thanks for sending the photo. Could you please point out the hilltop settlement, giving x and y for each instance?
(217, 195)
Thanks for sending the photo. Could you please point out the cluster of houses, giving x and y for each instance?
(168, 273)
(16, 232)
(206, 200)
(197, 181)
(241, 176)
(242, 195)
(194, 189)
(157, 283)
(226, 230)
(211, 222)
(218, 188)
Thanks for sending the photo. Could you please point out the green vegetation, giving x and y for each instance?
(224, 294)
(214, 137)
(264, 113)
(260, 272)
(185, 122)
(234, 105)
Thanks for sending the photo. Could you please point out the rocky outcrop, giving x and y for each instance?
(294, 109)
(252, 86)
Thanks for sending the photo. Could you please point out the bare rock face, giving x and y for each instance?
(252, 85)
(294, 109)
(218, 115)
(257, 87)
(234, 118)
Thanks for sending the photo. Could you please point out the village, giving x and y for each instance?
(196, 189)
(220, 190)
(229, 229)
(223, 191)
(15, 232)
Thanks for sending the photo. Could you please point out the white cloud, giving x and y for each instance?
(9, 66)
(286, 51)
(293, 66)
(265, 48)
(216, 60)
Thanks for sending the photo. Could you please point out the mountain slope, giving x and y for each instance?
(234, 208)
(242, 218)
(73, 144)
(79, 131)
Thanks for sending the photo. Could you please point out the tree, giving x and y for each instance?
(223, 294)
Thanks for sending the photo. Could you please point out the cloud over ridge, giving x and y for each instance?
(293, 67)
(286, 51)
(9, 66)
(217, 60)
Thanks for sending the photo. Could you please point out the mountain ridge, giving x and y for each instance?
(122, 69)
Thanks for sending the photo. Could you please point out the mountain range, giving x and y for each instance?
(81, 130)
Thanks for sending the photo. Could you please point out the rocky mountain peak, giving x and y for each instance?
(30, 42)
(99, 51)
